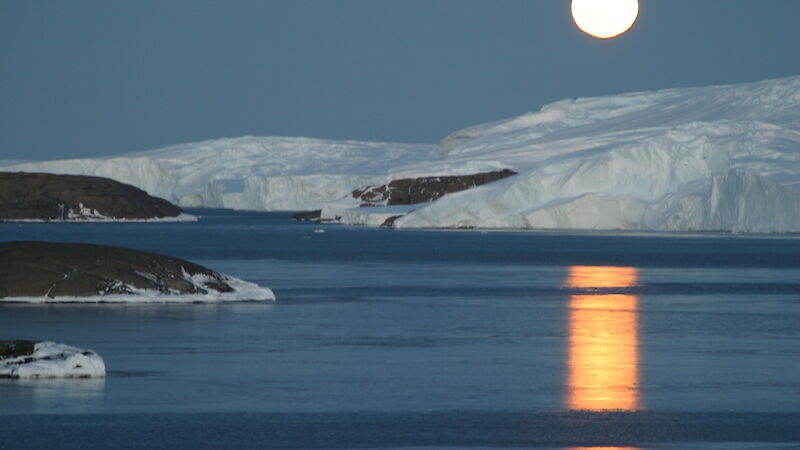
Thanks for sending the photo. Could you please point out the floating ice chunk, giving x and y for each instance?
(52, 360)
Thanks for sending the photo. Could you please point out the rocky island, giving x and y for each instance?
(49, 197)
(411, 191)
(408, 191)
(43, 272)
(39, 359)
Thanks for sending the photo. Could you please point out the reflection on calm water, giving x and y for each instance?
(44, 395)
(603, 341)
(602, 448)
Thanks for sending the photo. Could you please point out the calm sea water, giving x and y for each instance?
(386, 338)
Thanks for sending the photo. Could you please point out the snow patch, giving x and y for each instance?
(242, 291)
(373, 216)
(91, 215)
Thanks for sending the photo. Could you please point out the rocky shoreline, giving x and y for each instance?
(405, 192)
(47, 197)
(410, 191)
(48, 271)
(16, 348)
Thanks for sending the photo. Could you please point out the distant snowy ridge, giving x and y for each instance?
(724, 158)
(52, 360)
(249, 173)
(720, 158)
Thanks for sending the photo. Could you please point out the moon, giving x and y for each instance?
(605, 19)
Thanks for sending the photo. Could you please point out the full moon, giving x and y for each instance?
(605, 18)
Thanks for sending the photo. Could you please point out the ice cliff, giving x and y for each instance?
(253, 173)
(723, 158)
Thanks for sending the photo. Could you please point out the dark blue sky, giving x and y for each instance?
(87, 78)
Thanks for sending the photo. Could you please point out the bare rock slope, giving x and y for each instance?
(47, 270)
(411, 191)
(41, 196)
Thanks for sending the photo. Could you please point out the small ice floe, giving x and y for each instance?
(32, 360)
(319, 230)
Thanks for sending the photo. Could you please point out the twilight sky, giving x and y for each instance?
(98, 77)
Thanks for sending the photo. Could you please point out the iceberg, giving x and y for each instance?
(722, 158)
(49, 360)
(249, 173)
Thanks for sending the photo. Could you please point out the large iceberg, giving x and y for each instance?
(723, 158)
(249, 173)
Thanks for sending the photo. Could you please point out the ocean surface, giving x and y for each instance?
(397, 339)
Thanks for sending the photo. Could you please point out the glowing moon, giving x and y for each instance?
(605, 18)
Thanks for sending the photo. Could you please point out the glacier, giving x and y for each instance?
(721, 158)
(718, 158)
(248, 173)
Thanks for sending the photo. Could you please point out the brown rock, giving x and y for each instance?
(389, 222)
(15, 349)
(43, 196)
(409, 191)
(38, 269)
(308, 216)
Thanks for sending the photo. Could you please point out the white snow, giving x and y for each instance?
(242, 291)
(724, 158)
(720, 158)
(85, 214)
(373, 216)
(249, 173)
(52, 360)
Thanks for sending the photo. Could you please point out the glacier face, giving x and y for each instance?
(254, 173)
(722, 158)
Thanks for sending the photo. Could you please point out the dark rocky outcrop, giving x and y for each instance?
(15, 349)
(42, 196)
(38, 269)
(409, 191)
(389, 222)
(308, 216)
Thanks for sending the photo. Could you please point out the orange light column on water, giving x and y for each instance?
(603, 360)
